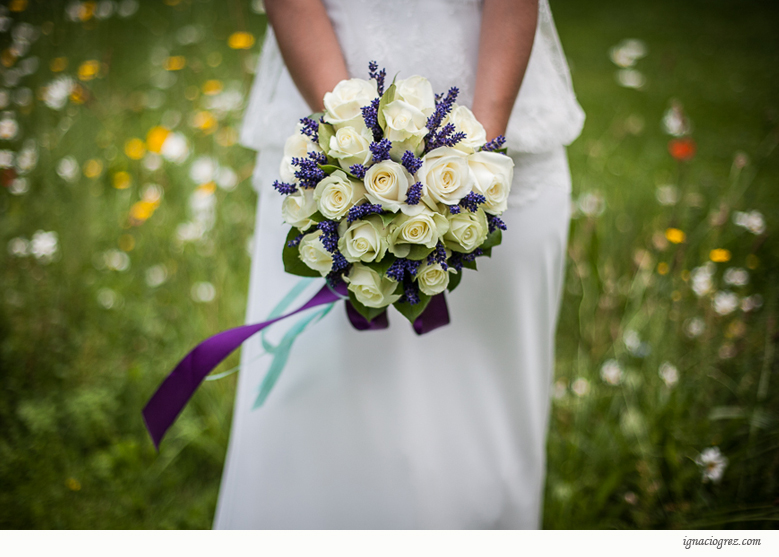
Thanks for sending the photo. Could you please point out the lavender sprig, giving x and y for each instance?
(381, 150)
(310, 128)
(495, 144)
(495, 223)
(454, 209)
(284, 189)
(370, 114)
(401, 267)
(379, 76)
(457, 260)
(472, 201)
(445, 138)
(438, 255)
(362, 211)
(358, 171)
(414, 194)
(411, 163)
(442, 110)
(410, 293)
(295, 242)
(308, 171)
(329, 236)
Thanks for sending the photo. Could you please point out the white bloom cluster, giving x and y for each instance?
(752, 221)
(408, 203)
(712, 463)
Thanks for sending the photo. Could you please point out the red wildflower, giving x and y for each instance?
(682, 149)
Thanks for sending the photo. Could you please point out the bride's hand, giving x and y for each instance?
(506, 39)
(309, 47)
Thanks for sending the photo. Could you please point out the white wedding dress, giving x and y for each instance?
(387, 429)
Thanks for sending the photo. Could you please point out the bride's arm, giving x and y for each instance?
(507, 31)
(309, 47)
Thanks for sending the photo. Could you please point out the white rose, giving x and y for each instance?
(298, 207)
(424, 229)
(464, 121)
(467, 231)
(405, 126)
(387, 184)
(343, 105)
(492, 176)
(416, 91)
(370, 288)
(314, 254)
(432, 279)
(445, 175)
(336, 194)
(297, 145)
(351, 147)
(364, 240)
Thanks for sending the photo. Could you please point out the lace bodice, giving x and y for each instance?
(434, 38)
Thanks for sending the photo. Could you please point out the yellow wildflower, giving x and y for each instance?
(134, 148)
(78, 95)
(212, 87)
(88, 70)
(674, 235)
(8, 58)
(174, 63)
(206, 189)
(17, 5)
(86, 10)
(204, 121)
(240, 40)
(142, 210)
(93, 168)
(73, 484)
(662, 268)
(122, 180)
(156, 137)
(719, 255)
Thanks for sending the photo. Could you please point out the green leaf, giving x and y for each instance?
(412, 312)
(318, 217)
(330, 168)
(454, 280)
(326, 131)
(470, 265)
(387, 218)
(291, 257)
(386, 98)
(382, 266)
(368, 313)
(316, 116)
(419, 252)
(493, 239)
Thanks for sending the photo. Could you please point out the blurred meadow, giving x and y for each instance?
(126, 214)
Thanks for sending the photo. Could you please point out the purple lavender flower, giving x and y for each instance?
(442, 110)
(472, 201)
(370, 114)
(457, 259)
(495, 144)
(310, 128)
(402, 267)
(329, 236)
(295, 242)
(358, 171)
(379, 76)
(411, 163)
(410, 293)
(438, 255)
(362, 211)
(308, 171)
(381, 150)
(454, 209)
(414, 193)
(445, 138)
(495, 223)
(284, 189)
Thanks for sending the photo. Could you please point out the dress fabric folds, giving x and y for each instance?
(387, 429)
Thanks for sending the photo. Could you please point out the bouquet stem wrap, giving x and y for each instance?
(180, 385)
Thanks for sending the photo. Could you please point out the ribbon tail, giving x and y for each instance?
(177, 389)
(281, 354)
(361, 324)
(436, 315)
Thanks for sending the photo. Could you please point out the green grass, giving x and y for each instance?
(82, 347)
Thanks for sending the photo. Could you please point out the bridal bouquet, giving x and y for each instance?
(393, 191)
(390, 195)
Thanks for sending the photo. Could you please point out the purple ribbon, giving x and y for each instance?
(177, 389)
